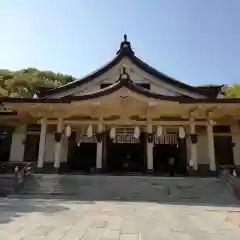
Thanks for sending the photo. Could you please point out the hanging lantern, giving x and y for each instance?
(89, 131)
(99, 137)
(58, 137)
(35, 96)
(136, 133)
(159, 131)
(194, 138)
(150, 137)
(181, 133)
(3, 135)
(112, 133)
(68, 131)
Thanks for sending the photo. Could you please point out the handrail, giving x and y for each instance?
(232, 182)
(21, 175)
(8, 167)
(13, 174)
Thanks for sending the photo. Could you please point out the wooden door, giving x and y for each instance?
(223, 150)
(5, 143)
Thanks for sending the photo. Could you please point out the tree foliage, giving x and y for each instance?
(232, 90)
(26, 82)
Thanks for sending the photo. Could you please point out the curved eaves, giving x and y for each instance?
(131, 86)
(169, 80)
(31, 100)
(84, 80)
(211, 100)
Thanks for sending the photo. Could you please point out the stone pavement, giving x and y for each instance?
(143, 209)
(61, 219)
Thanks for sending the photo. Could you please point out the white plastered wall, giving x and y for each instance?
(235, 129)
(188, 149)
(202, 149)
(50, 147)
(64, 154)
(17, 146)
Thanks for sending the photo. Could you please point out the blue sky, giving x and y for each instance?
(195, 41)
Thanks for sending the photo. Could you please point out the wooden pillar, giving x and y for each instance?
(42, 143)
(150, 150)
(193, 146)
(211, 149)
(104, 149)
(58, 145)
(235, 139)
(99, 156)
(18, 147)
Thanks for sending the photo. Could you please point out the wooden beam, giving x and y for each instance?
(133, 123)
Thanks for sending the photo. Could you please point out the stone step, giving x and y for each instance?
(126, 188)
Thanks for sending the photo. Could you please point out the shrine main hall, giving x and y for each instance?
(124, 117)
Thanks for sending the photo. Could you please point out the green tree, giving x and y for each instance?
(26, 82)
(232, 90)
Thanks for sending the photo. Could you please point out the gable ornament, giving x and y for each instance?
(58, 136)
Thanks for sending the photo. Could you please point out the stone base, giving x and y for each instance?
(213, 173)
(64, 168)
(192, 173)
(49, 168)
(46, 168)
(149, 172)
(202, 171)
(99, 170)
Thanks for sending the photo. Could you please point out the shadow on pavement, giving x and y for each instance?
(13, 208)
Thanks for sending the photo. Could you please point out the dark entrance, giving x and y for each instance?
(31, 143)
(5, 143)
(31, 147)
(223, 150)
(81, 155)
(126, 154)
(169, 146)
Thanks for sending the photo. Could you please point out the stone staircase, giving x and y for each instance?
(128, 188)
(6, 185)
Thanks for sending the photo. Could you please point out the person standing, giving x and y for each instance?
(171, 163)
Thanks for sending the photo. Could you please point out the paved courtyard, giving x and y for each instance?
(112, 215)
